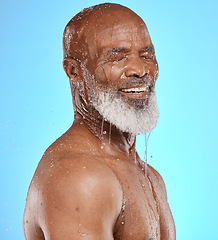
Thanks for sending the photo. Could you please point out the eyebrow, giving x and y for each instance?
(117, 50)
(146, 49)
(122, 49)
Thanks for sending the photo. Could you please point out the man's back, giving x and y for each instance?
(81, 190)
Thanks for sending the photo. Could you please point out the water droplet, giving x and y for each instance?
(110, 134)
(147, 135)
(102, 126)
(102, 147)
(122, 222)
(104, 132)
(83, 234)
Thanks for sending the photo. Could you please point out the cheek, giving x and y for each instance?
(154, 71)
(109, 74)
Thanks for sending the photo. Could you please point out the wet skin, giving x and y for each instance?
(90, 184)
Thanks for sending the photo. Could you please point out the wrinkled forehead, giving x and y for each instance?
(122, 29)
(123, 34)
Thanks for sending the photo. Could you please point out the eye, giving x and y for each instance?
(117, 56)
(148, 55)
(120, 58)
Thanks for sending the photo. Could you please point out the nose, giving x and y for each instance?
(136, 67)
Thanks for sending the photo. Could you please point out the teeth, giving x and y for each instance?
(137, 89)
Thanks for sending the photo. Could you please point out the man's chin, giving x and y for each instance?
(132, 116)
(139, 104)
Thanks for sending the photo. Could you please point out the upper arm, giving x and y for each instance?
(80, 201)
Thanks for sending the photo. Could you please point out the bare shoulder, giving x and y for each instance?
(71, 195)
(157, 177)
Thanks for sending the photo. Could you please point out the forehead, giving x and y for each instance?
(123, 35)
(126, 32)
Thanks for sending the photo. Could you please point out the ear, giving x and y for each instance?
(72, 68)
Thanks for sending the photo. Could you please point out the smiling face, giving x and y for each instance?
(111, 63)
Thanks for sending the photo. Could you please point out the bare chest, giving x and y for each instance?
(145, 212)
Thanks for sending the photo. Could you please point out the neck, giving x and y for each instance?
(109, 137)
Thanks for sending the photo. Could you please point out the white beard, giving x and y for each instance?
(141, 118)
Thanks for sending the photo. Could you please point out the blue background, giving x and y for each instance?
(36, 106)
